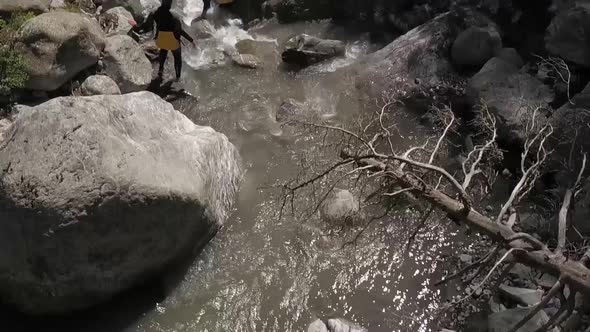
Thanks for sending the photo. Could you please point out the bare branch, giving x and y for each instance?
(562, 70)
(480, 151)
(563, 222)
(531, 172)
(564, 211)
(443, 136)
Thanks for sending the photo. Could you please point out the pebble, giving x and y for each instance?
(465, 258)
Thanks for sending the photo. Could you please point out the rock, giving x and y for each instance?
(522, 272)
(510, 55)
(317, 326)
(410, 67)
(339, 207)
(568, 34)
(475, 46)
(495, 306)
(341, 325)
(305, 50)
(503, 321)
(140, 9)
(202, 29)
(99, 85)
(523, 296)
(121, 18)
(511, 96)
(291, 110)
(57, 4)
(245, 60)
(12, 6)
(5, 125)
(126, 63)
(533, 222)
(572, 323)
(57, 46)
(466, 258)
(546, 281)
(103, 193)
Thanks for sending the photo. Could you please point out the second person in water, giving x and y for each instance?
(168, 36)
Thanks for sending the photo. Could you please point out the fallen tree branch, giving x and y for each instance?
(543, 259)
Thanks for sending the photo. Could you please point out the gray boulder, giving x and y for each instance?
(140, 9)
(291, 110)
(503, 321)
(57, 46)
(412, 65)
(317, 326)
(101, 193)
(340, 206)
(305, 50)
(568, 34)
(99, 85)
(510, 95)
(523, 296)
(126, 63)
(342, 325)
(202, 29)
(35, 6)
(475, 46)
(57, 4)
(120, 17)
(245, 60)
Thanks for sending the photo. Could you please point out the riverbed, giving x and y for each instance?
(271, 271)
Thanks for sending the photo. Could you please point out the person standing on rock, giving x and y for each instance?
(168, 36)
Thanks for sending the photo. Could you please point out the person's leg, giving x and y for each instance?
(206, 6)
(162, 62)
(177, 62)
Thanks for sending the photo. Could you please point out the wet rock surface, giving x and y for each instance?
(305, 50)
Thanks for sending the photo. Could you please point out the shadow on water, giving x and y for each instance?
(115, 315)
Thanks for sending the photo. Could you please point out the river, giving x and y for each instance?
(265, 273)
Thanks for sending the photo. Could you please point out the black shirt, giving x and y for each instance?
(165, 21)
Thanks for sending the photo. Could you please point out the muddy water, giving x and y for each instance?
(265, 273)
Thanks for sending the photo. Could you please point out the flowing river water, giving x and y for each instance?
(265, 273)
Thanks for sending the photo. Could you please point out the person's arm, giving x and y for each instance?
(187, 36)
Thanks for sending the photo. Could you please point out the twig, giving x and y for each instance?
(506, 255)
(563, 222)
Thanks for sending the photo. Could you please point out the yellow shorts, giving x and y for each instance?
(167, 41)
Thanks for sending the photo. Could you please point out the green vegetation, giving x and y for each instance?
(12, 65)
(12, 70)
